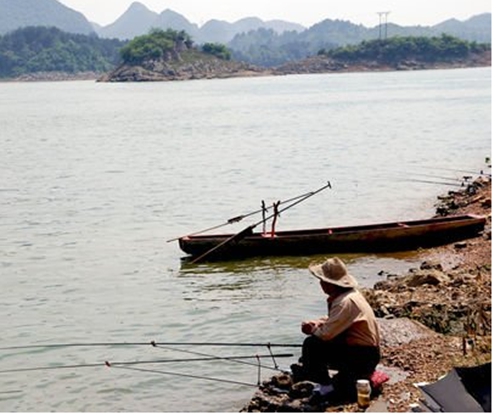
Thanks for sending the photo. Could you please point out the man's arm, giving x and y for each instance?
(340, 318)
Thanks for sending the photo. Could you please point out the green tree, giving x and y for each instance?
(155, 45)
(47, 49)
(396, 49)
(217, 49)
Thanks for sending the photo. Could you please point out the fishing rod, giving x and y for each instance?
(480, 173)
(433, 182)
(235, 360)
(162, 372)
(248, 230)
(230, 221)
(143, 362)
(400, 174)
(273, 356)
(432, 176)
(151, 343)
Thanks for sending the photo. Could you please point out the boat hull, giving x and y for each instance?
(384, 237)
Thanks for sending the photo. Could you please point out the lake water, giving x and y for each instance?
(95, 178)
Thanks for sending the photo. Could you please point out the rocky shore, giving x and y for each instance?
(432, 319)
(181, 69)
(324, 64)
(185, 69)
(57, 77)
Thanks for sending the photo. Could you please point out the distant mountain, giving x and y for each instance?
(21, 13)
(139, 20)
(168, 19)
(136, 21)
(218, 31)
(477, 28)
(280, 26)
(267, 48)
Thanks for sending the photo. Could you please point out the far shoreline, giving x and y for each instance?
(264, 72)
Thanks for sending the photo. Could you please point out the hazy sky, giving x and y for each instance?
(309, 12)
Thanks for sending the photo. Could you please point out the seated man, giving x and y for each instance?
(347, 340)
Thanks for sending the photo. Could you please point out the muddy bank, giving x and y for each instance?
(432, 319)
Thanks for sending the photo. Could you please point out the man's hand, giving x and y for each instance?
(308, 326)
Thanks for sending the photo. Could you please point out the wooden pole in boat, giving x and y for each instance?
(264, 211)
(327, 186)
(275, 218)
(249, 230)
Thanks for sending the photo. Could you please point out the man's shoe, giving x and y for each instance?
(298, 374)
(323, 390)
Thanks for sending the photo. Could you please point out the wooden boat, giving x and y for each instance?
(383, 237)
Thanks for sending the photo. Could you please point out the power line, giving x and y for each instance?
(382, 18)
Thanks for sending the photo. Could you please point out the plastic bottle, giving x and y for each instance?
(364, 392)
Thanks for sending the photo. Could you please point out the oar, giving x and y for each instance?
(236, 237)
(248, 231)
(238, 218)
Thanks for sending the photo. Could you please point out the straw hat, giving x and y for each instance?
(333, 271)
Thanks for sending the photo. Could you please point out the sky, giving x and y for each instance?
(307, 13)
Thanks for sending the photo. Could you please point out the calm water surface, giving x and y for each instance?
(95, 178)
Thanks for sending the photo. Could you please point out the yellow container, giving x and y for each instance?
(364, 392)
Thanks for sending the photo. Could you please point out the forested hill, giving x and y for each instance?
(396, 53)
(408, 48)
(172, 55)
(42, 49)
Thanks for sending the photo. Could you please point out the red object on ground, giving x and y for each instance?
(378, 378)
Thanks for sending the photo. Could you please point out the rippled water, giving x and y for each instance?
(95, 178)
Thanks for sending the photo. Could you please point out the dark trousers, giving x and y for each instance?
(351, 362)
